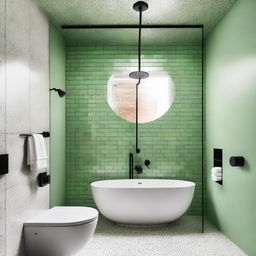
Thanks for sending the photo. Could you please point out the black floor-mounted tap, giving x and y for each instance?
(131, 166)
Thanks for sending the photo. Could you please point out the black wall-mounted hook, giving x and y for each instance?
(4, 164)
(236, 161)
(43, 179)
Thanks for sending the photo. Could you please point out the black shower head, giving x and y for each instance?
(60, 92)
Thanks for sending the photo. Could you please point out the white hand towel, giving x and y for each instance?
(36, 155)
(216, 170)
(215, 178)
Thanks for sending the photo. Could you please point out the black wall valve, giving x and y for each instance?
(138, 168)
(147, 163)
(236, 161)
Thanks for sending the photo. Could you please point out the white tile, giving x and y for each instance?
(17, 67)
(39, 68)
(2, 66)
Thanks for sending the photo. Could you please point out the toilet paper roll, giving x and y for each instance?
(215, 178)
(219, 174)
(216, 170)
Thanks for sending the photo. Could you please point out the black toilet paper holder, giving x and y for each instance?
(218, 161)
(236, 161)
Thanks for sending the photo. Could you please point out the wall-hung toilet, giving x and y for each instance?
(60, 231)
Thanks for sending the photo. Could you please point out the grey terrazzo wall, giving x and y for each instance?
(24, 108)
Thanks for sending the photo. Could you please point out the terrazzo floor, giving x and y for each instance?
(180, 238)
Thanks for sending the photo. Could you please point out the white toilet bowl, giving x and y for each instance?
(60, 231)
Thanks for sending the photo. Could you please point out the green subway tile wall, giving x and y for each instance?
(98, 142)
(231, 124)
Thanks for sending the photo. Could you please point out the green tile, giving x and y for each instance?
(98, 142)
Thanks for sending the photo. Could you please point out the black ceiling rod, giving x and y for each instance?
(126, 26)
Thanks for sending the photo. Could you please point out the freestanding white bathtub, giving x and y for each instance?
(142, 201)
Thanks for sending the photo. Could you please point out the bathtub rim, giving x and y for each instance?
(97, 184)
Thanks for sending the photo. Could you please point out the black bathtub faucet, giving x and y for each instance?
(138, 167)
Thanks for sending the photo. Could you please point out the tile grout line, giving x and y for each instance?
(5, 184)
(29, 64)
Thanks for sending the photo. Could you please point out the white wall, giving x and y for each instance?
(24, 108)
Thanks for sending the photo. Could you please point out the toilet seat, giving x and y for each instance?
(63, 217)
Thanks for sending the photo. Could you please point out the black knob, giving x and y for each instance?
(147, 163)
(138, 169)
(236, 161)
(46, 134)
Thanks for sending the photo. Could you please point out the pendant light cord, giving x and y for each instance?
(137, 115)
(137, 85)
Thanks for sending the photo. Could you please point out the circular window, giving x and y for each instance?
(155, 96)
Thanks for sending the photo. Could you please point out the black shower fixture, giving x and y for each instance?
(140, 7)
(60, 92)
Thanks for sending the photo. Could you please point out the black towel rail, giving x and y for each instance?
(45, 134)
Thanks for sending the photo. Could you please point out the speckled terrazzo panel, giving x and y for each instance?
(24, 108)
(180, 238)
(207, 12)
(2, 126)
(98, 141)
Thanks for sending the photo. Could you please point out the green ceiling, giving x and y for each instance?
(206, 12)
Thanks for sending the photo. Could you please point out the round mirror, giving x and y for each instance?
(155, 96)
